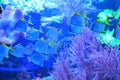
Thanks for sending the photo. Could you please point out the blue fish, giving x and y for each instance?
(18, 50)
(53, 34)
(65, 30)
(76, 22)
(41, 46)
(98, 27)
(35, 19)
(37, 59)
(21, 26)
(63, 27)
(32, 34)
(78, 19)
(4, 50)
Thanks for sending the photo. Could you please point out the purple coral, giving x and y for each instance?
(89, 57)
(63, 68)
(64, 71)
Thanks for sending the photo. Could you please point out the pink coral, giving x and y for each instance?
(92, 59)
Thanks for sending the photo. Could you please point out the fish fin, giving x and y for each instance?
(4, 44)
(60, 32)
(98, 20)
(42, 38)
(84, 22)
(106, 22)
(85, 15)
(22, 19)
(41, 30)
(29, 21)
(50, 42)
(11, 48)
(77, 13)
(118, 26)
(32, 28)
(103, 31)
(58, 44)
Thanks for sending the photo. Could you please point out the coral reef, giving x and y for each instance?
(87, 59)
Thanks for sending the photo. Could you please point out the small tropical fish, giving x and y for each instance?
(77, 21)
(118, 26)
(98, 27)
(64, 29)
(35, 19)
(53, 34)
(21, 26)
(32, 34)
(4, 50)
(41, 46)
(18, 50)
(37, 59)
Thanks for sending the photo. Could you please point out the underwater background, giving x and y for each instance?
(59, 40)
